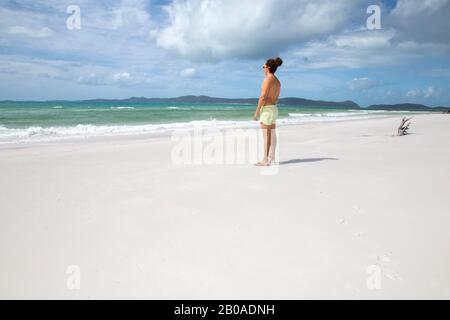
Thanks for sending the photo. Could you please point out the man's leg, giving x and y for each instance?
(273, 143)
(265, 132)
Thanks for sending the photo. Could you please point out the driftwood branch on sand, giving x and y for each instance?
(404, 126)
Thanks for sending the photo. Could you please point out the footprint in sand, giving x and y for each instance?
(383, 262)
(390, 274)
(383, 258)
(357, 209)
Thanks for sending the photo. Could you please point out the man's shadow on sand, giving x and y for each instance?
(305, 160)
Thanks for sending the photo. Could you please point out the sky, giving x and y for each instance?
(170, 48)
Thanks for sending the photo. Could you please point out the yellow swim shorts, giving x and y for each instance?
(268, 114)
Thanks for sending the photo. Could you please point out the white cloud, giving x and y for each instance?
(440, 72)
(81, 73)
(362, 48)
(31, 32)
(408, 8)
(121, 76)
(407, 36)
(424, 21)
(122, 79)
(431, 92)
(218, 29)
(108, 30)
(428, 92)
(188, 72)
(348, 50)
(362, 84)
(413, 93)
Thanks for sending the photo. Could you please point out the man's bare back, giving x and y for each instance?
(273, 91)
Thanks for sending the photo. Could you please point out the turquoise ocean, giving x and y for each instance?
(25, 121)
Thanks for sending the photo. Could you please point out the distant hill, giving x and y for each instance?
(288, 101)
(291, 101)
(187, 99)
(317, 103)
(406, 107)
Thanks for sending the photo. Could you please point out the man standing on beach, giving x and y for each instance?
(268, 111)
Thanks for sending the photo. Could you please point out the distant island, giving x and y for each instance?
(406, 106)
(288, 101)
(206, 99)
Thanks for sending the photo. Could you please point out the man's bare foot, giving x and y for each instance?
(262, 163)
(272, 161)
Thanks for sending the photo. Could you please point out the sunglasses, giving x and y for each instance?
(265, 67)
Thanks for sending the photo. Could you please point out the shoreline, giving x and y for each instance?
(164, 133)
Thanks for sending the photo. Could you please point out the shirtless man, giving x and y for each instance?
(268, 111)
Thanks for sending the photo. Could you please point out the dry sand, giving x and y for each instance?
(347, 204)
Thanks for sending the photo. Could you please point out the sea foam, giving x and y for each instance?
(121, 108)
(37, 133)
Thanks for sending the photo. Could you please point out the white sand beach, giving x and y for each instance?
(348, 202)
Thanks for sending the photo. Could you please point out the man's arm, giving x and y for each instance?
(262, 97)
